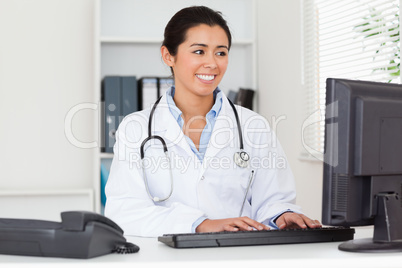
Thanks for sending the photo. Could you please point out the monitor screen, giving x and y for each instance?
(363, 161)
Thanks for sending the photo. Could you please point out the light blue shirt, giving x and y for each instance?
(210, 118)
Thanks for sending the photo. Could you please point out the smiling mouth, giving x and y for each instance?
(205, 77)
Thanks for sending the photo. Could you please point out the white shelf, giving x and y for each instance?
(106, 155)
(44, 204)
(128, 40)
(48, 192)
(243, 42)
(133, 40)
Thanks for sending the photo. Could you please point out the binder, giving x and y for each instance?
(120, 98)
(148, 91)
(111, 111)
(129, 96)
(245, 98)
(165, 83)
(232, 95)
(104, 177)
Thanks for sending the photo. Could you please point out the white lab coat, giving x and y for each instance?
(213, 189)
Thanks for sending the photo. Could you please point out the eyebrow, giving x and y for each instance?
(204, 45)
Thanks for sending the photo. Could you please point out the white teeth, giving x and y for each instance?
(205, 77)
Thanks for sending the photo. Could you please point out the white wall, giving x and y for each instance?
(281, 95)
(46, 68)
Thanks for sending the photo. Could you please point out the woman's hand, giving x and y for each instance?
(290, 220)
(231, 224)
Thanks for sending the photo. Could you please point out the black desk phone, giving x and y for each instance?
(81, 235)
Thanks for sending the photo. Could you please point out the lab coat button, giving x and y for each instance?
(202, 178)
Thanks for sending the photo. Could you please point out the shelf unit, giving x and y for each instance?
(128, 35)
(57, 200)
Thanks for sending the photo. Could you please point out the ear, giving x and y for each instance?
(167, 58)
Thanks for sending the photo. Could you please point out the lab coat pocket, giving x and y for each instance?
(226, 189)
(234, 184)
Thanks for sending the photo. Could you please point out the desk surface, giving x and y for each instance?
(156, 254)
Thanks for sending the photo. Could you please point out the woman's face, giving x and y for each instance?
(201, 60)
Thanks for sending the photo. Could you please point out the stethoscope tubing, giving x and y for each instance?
(243, 162)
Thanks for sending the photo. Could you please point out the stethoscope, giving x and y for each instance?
(241, 158)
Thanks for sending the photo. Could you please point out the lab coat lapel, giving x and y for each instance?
(165, 125)
(224, 133)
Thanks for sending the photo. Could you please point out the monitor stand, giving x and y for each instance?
(387, 228)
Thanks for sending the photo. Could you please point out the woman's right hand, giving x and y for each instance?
(230, 224)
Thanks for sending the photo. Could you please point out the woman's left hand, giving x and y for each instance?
(290, 220)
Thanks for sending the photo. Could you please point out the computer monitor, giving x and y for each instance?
(363, 162)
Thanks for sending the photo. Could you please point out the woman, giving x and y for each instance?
(203, 184)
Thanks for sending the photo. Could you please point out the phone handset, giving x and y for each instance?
(76, 220)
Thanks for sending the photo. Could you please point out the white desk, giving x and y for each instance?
(156, 254)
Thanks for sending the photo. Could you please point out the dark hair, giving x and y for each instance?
(177, 27)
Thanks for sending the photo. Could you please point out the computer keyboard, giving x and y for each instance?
(251, 238)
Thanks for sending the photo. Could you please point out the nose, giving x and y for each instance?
(210, 62)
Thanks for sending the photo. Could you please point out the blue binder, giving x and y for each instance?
(104, 178)
(120, 97)
(129, 95)
(111, 98)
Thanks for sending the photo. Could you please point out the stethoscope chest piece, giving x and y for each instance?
(241, 159)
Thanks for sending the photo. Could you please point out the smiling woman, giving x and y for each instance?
(198, 67)
(199, 125)
(201, 60)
